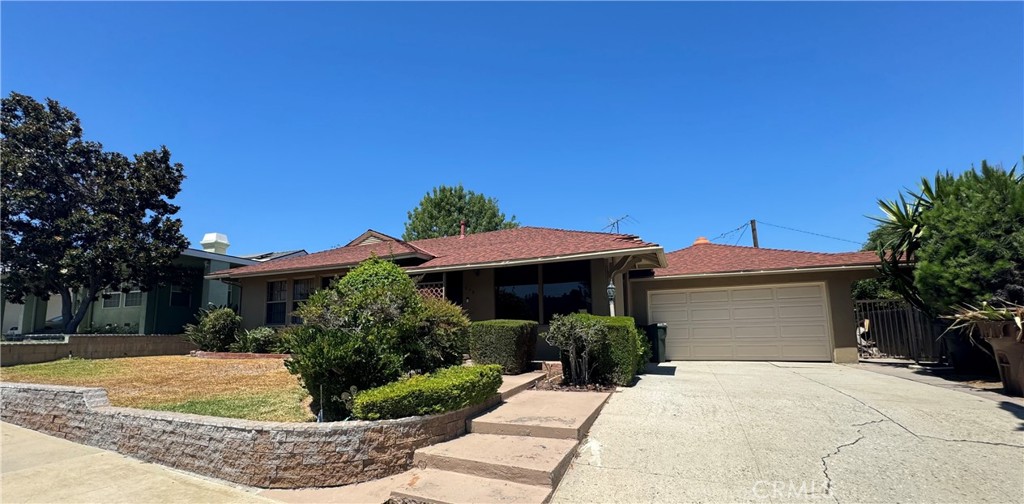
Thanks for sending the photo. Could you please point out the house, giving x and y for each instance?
(719, 302)
(527, 273)
(163, 309)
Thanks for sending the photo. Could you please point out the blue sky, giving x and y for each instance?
(301, 125)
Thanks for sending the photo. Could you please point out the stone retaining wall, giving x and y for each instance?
(261, 454)
(93, 346)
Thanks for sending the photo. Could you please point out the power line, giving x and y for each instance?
(727, 233)
(741, 236)
(809, 232)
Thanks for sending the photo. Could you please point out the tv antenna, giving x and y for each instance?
(613, 224)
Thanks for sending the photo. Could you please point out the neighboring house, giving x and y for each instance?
(719, 302)
(725, 302)
(272, 256)
(163, 309)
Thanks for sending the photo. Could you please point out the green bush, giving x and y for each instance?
(361, 332)
(444, 336)
(583, 341)
(599, 350)
(509, 343)
(446, 390)
(628, 350)
(216, 329)
(258, 340)
(330, 361)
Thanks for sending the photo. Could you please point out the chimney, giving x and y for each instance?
(462, 229)
(701, 241)
(215, 242)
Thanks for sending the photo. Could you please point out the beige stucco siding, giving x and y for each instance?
(837, 285)
(253, 305)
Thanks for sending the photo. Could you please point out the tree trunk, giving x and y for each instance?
(66, 304)
(71, 324)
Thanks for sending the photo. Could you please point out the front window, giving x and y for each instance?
(516, 293)
(300, 293)
(277, 300)
(566, 288)
(112, 300)
(133, 298)
(180, 296)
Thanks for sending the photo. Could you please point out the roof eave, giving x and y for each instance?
(823, 269)
(660, 254)
(313, 269)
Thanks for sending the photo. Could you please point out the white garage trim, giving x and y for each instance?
(829, 329)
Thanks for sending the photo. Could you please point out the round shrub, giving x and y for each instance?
(216, 329)
(443, 335)
(258, 340)
(331, 361)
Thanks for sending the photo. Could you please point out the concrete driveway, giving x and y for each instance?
(794, 432)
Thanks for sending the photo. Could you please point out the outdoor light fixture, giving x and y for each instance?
(611, 298)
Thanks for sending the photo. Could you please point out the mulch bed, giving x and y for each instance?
(547, 385)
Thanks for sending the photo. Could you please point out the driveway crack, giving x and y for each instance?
(876, 410)
(746, 438)
(824, 464)
(990, 443)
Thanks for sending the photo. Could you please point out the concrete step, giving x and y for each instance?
(543, 414)
(530, 461)
(443, 487)
(514, 384)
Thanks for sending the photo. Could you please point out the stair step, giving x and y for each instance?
(543, 414)
(514, 384)
(444, 487)
(526, 460)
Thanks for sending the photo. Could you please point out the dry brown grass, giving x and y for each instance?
(256, 389)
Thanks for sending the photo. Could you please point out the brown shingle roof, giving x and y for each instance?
(521, 243)
(340, 256)
(508, 245)
(709, 258)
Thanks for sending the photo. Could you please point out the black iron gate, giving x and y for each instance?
(899, 330)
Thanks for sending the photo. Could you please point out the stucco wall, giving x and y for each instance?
(837, 284)
(253, 304)
(93, 346)
(262, 454)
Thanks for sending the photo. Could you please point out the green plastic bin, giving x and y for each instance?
(656, 337)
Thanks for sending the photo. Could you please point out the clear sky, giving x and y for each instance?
(301, 125)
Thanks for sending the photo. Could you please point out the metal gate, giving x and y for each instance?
(899, 330)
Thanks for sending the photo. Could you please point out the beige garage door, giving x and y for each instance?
(784, 322)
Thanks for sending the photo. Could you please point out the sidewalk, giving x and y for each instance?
(35, 467)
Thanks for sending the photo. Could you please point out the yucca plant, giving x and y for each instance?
(988, 317)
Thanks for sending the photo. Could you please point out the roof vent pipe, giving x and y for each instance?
(462, 229)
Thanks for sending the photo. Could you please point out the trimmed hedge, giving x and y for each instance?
(628, 350)
(509, 343)
(446, 390)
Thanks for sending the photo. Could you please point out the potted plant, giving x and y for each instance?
(1002, 328)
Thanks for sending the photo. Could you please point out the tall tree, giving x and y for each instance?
(442, 211)
(957, 240)
(77, 220)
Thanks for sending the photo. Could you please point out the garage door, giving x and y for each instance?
(785, 322)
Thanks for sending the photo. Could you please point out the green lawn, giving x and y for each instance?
(257, 389)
